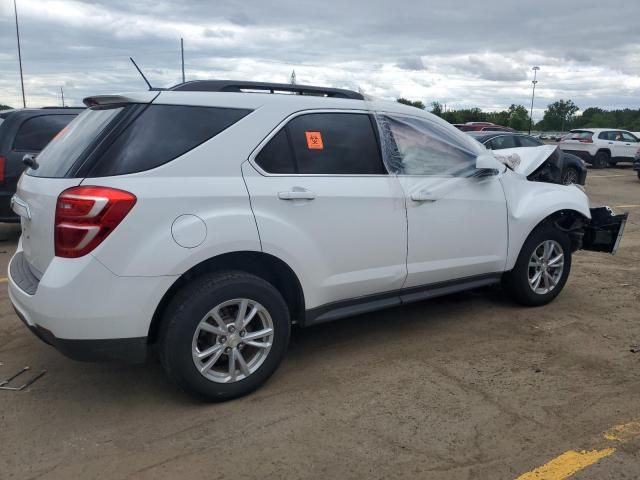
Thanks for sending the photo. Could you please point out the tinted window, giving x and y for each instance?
(335, 144)
(417, 147)
(627, 137)
(529, 141)
(276, 156)
(162, 133)
(63, 151)
(34, 134)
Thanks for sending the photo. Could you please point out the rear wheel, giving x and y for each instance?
(601, 159)
(542, 268)
(224, 335)
(570, 176)
(638, 175)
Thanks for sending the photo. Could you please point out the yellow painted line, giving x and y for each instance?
(626, 206)
(573, 461)
(606, 176)
(566, 464)
(623, 433)
(4, 279)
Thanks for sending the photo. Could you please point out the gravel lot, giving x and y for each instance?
(468, 386)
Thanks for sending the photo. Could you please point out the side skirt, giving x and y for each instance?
(356, 306)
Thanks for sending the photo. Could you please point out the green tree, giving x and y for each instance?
(558, 114)
(5, 107)
(436, 108)
(411, 103)
(518, 117)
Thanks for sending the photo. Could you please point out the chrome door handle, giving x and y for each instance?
(297, 194)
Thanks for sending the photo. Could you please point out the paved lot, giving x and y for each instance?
(469, 386)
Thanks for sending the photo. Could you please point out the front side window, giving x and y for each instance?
(503, 141)
(414, 146)
(627, 137)
(34, 134)
(324, 144)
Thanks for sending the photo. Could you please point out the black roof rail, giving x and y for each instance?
(239, 86)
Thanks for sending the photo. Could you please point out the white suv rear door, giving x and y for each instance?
(324, 204)
(457, 220)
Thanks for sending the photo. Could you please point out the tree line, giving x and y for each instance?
(558, 116)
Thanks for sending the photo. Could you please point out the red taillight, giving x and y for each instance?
(3, 162)
(85, 216)
(588, 139)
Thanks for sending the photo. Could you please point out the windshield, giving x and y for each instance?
(67, 146)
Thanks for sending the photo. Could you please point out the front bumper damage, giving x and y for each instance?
(604, 231)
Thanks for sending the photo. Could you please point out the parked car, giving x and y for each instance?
(481, 127)
(205, 220)
(573, 169)
(601, 147)
(25, 132)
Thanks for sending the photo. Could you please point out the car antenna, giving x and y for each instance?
(141, 74)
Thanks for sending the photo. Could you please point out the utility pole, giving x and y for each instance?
(293, 77)
(62, 95)
(15, 9)
(533, 94)
(182, 55)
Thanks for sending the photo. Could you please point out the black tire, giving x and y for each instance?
(189, 306)
(602, 159)
(638, 175)
(516, 282)
(570, 176)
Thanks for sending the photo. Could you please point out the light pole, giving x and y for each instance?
(15, 9)
(533, 94)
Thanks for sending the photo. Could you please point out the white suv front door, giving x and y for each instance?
(457, 219)
(324, 203)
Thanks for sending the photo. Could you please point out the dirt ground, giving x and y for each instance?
(468, 386)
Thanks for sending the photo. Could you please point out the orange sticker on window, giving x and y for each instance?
(314, 140)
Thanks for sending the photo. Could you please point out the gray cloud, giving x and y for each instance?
(479, 54)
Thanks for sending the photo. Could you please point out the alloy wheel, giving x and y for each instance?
(546, 266)
(232, 340)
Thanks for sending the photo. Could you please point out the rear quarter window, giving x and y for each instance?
(34, 133)
(160, 134)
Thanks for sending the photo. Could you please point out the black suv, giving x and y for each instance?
(21, 132)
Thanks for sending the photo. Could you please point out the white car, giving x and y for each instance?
(205, 220)
(601, 147)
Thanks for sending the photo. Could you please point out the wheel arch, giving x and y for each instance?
(568, 219)
(263, 265)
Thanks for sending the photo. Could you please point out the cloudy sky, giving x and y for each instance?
(477, 55)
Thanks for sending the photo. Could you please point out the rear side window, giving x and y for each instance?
(503, 141)
(162, 133)
(34, 134)
(324, 144)
(67, 147)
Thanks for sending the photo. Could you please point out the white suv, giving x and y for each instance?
(601, 147)
(205, 220)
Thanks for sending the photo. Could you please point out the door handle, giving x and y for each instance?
(423, 196)
(297, 194)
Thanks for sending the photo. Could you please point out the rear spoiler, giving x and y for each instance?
(120, 99)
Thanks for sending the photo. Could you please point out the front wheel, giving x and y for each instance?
(570, 176)
(224, 334)
(542, 268)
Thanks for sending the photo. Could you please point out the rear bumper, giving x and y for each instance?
(85, 311)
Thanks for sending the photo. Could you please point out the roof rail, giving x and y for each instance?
(240, 86)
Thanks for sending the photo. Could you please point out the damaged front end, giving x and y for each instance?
(600, 234)
(604, 231)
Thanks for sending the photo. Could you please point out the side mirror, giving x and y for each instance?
(488, 161)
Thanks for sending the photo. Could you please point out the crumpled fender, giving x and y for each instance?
(529, 203)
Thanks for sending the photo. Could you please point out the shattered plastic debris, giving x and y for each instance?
(512, 160)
